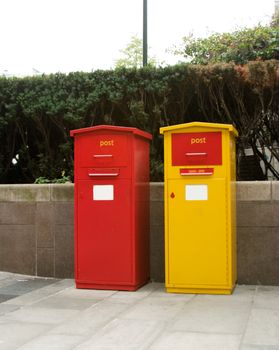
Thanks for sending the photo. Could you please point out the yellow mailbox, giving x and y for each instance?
(200, 234)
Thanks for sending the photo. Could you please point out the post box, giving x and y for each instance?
(111, 207)
(200, 233)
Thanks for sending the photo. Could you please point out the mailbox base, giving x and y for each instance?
(110, 286)
(200, 290)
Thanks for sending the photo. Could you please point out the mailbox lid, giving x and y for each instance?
(174, 128)
(108, 128)
(105, 145)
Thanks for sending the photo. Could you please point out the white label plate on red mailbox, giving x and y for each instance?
(103, 193)
(196, 192)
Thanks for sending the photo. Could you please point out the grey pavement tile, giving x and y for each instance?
(40, 294)
(5, 282)
(10, 278)
(41, 315)
(5, 275)
(241, 293)
(5, 309)
(25, 286)
(66, 283)
(218, 316)
(62, 302)
(91, 320)
(123, 334)
(56, 315)
(5, 297)
(196, 341)
(263, 328)
(86, 293)
(160, 292)
(154, 309)
(15, 334)
(131, 297)
(267, 297)
(53, 342)
(21, 277)
(150, 286)
(259, 347)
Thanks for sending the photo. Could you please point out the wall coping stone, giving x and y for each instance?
(254, 191)
(245, 191)
(25, 193)
(62, 192)
(37, 192)
(156, 191)
(275, 190)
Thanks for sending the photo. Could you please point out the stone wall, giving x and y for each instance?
(36, 231)
(258, 232)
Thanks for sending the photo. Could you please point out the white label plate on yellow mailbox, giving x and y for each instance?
(103, 193)
(196, 192)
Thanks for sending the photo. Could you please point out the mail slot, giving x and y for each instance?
(111, 171)
(200, 235)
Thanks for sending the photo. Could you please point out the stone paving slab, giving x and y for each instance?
(200, 341)
(23, 287)
(5, 297)
(6, 308)
(14, 285)
(52, 314)
(41, 293)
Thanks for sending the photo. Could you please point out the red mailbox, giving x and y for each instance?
(111, 207)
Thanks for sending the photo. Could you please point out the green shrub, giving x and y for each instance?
(240, 47)
(37, 113)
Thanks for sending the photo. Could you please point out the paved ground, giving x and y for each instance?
(39, 314)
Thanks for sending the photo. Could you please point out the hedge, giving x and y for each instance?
(37, 113)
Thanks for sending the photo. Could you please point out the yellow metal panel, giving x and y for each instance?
(198, 251)
(200, 235)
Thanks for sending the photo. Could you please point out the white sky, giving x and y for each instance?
(81, 35)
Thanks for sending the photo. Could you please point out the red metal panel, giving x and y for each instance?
(102, 150)
(141, 218)
(111, 207)
(104, 241)
(199, 148)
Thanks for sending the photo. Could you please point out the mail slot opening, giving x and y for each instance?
(103, 172)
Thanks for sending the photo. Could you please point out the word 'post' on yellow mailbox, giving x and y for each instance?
(200, 223)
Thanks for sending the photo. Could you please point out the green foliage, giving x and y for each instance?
(37, 113)
(133, 55)
(275, 20)
(249, 44)
(44, 180)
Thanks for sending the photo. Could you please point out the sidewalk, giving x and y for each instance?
(50, 314)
